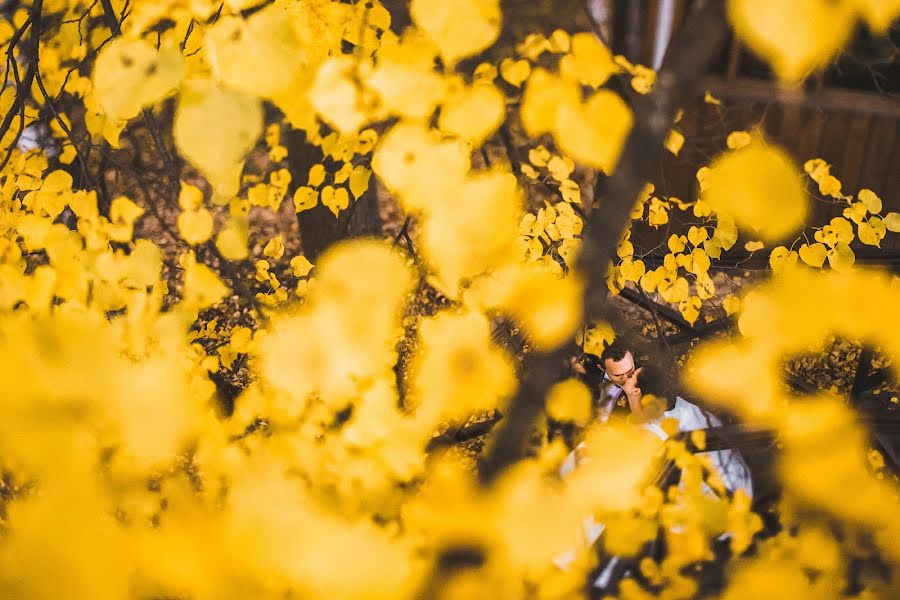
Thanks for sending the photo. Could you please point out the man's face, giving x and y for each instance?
(619, 371)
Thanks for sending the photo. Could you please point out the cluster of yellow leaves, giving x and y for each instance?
(832, 241)
(218, 79)
(104, 390)
(745, 376)
(552, 230)
(468, 227)
(683, 278)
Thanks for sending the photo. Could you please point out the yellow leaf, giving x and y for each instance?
(830, 186)
(336, 199)
(570, 191)
(405, 80)
(704, 286)
(245, 53)
(842, 229)
(258, 195)
(594, 132)
(731, 304)
(795, 37)
(590, 61)
(275, 247)
(658, 213)
(738, 139)
(632, 271)
(642, 79)
(710, 99)
(892, 222)
(650, 281)
(539, 156)
(781, 258)
(870, 199)
(460, 28)
(760, 188)
(690, 309)
(675, 292)
(570, 401)
(543, 96)
(545, 304)
(514, 72)
(131, 74)
(301, 266)
(596, 337)
(202, 287)
(841, 257)
(232, 239)
(122, 215)
(856, 212)
(559, 41)
(305, 198)
(697, 235)
(725, 234)
(700, 261)
(530, 172)
(408, 157)
(813, 254)
(701, 209)
(316, 175)
(190, 197)
(869, 233)
(560, 168)
(484, 73)
(359, 180)
(195, 226)
(674, 141)
(335, 95)
(753, 246)
(214, 129)
(676, 243)
(474, 113)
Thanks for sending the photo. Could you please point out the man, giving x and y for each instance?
(620, 378)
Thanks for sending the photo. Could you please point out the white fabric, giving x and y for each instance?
(611, 393)
(729, 464)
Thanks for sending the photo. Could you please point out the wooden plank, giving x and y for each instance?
(891, 196)
(830, 148)
(790, 128)
(850, 165)
(834, 139)
(810, 136)
(879, 161)
(832, 99)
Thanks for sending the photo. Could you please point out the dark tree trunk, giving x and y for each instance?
(319, 228)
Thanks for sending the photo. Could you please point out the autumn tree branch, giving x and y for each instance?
(23, 86)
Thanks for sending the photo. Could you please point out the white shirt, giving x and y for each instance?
(729, 464)
(611, 395)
